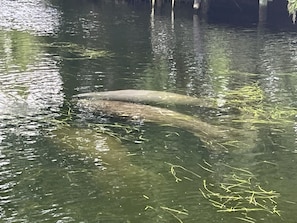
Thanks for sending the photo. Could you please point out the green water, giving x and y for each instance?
(57, 165)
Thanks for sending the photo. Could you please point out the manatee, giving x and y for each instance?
(104, 149)
(108, 153)
(146, 113)
(117, 174)
(149, 97)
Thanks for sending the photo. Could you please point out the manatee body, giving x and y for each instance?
(116, 174)
(91, 143)
(148, 97)
(206, 132)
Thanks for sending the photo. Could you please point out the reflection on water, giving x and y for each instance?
(30, 98)
(74, 171)
(31, 87)
(34, 16)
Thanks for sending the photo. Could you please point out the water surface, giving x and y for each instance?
(56, 163)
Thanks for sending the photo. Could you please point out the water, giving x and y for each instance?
(56, 165)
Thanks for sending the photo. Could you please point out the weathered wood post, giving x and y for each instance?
(263, 10)
(196, 4)
(153, 13)
(153, 3)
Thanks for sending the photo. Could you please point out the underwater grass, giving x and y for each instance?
(77, 52)
(129, 132)
(237, 192)
(173, 212)
(250, 101)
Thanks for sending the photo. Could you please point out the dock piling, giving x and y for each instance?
(263, 10)
(196, 4)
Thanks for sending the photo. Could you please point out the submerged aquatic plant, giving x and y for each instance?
(77, 52)
(94, 54)
(250, 100)
(237, 192)
(249, 95)
(124, 131)
(120, 131)
(172, 211)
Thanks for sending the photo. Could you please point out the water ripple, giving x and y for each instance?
(30, 15)
(29, 99)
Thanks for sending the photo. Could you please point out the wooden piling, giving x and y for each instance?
(196, 4)
(263, 10)
(153, 3)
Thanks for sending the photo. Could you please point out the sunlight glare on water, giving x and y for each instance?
(35, 16)
(30, 92)
(28, 95)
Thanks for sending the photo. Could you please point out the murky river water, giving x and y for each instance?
(60, 163)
